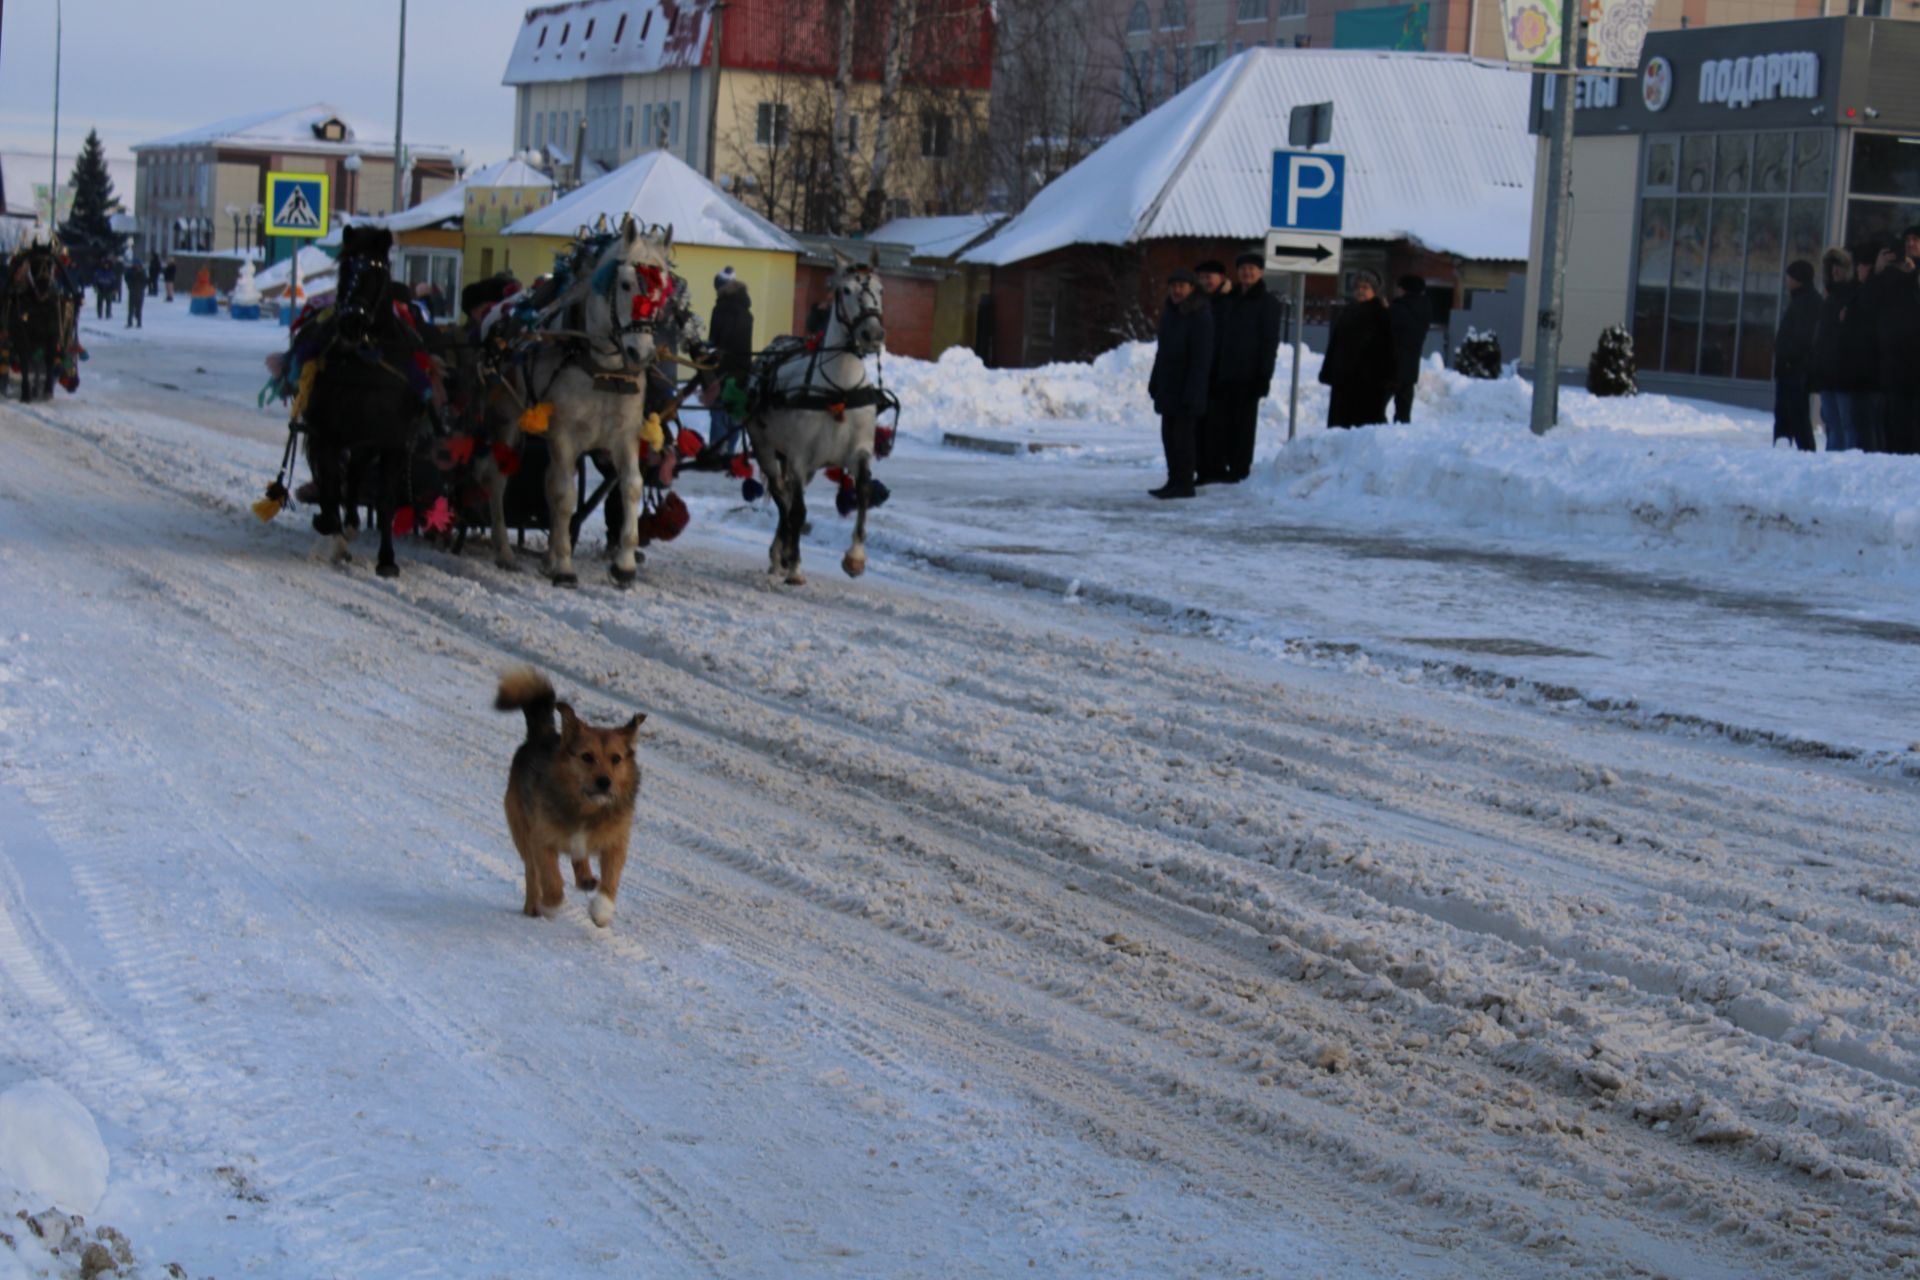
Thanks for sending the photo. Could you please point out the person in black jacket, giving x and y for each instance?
(1792, 350)
(1860, 350)
(136, 293)
(1411, 313)
(1178, 383)
(1246, 341)
(1208, 458)
(153, 274)
(1359, 364)
(1897, 328)
(730, 334)
(1827, 372)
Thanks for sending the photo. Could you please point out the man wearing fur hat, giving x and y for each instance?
(1178, 384)
(1247, 343)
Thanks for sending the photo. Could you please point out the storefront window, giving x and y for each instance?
(1772, 161)
(1884, 188)
(1710, 262)
(1730, 169)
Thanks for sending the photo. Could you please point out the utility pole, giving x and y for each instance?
(713, 95)
(53, 186)
(399, 112)
(1558, 225)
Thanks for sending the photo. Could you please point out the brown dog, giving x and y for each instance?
(570, 791)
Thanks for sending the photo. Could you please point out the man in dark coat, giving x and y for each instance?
(1411, 314)
(106, 287)
(1359, 364)
(167, 274)
(1178, 383)
(1208, 457)
(1792, 352)
(1245, 345)
(1860, 351)
(1827, 375)
(153, 274)
(136, 294)
(730, 334)
(1897, 327)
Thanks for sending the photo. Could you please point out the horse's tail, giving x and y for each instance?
(526, 690)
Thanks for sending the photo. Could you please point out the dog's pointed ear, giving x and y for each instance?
(569, 722)
(632, 726)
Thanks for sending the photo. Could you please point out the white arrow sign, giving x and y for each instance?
(1303, 251)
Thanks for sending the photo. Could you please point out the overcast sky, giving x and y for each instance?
(138, 69)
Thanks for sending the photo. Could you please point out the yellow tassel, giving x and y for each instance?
(266, 509)
(308, 376)
(652, 434)
(537, 419)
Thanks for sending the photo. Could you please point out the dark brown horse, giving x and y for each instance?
(36, 321)
(365, 415)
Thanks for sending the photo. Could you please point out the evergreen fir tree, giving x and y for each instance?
(1611, 370)
(1479, 355)
(88, 230)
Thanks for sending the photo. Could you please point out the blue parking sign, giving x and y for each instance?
(1309, 188)
(297, 204)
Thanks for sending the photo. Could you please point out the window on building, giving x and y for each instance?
(1178, 57)
(853, 132)
(588, 34)
(936, 134)
(1205, 58)
(1139, 18)
(1883, 189)
(1173, 14)
(1253, 11)
(1720, 217)
(1302, 41)
(673, 116)
(620, 31)
(646, 25)
(541, 43)
(628, 144)
(770, 124)
(565, 31)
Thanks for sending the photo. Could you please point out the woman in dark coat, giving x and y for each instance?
(1828, 373)
(1359, 364)
(1178, 384)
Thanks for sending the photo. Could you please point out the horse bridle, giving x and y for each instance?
(648, 300)
(869, 308)
(351, 306)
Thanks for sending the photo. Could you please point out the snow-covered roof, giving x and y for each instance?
(584, 38)
(293, 129)
(511, 172)
(659, 187)
(1436, 151)
(936, 237)
(449, 205)
(314, 262)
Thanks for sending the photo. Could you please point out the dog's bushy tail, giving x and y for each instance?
(526, 690)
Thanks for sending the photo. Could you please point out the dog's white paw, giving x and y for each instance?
(601, 909)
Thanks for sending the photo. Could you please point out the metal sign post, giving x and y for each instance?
(1309, 196)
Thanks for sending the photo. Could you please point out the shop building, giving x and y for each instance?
(1731, 153)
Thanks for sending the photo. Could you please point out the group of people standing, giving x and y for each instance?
(1218, 341)
(1857, 347)
(141, 279)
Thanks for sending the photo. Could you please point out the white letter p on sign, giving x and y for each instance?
(1297, 188)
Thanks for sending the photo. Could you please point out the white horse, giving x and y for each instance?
(818, 410)
(596, 381)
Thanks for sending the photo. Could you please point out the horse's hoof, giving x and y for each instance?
(505, 564)
(324, 524)
(854, 563)
(565, 579)
(623, 577)
(796, 579)
(387, 570)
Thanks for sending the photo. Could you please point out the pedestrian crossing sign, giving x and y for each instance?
(297, 204)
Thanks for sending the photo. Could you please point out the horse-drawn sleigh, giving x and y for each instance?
(495, 426)
(39, 319)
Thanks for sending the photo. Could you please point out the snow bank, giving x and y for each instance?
(50, 1148)
(1665, 472)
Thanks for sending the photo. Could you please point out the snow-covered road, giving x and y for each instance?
(972, 929)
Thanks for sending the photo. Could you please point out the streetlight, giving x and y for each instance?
(256, 226)
(233, 211)
(53, 183)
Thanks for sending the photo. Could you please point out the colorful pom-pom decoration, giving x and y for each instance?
(271, 505)
(751, 489)
(882, 441)
(439, 518)
(741, 467)
(652, 434)
(505, 459)
(536, 419)
(402, 522)
(688, 443)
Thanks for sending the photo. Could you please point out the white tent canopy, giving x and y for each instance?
(658, 187)
(1436, 148)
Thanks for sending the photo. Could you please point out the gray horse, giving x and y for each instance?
(594, 378)
(817, 409)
